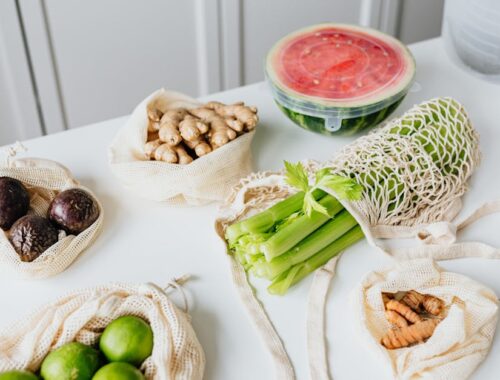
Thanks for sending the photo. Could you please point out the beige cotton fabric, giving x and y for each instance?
(460, 342)
(82, 315)
(44, 179)
(208, 178)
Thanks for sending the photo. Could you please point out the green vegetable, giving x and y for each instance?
(297, 272)
(316, 241)
(297, 240)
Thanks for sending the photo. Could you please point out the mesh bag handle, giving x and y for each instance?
(439, 244)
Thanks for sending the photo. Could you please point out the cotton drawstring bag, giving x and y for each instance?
(44, 179)
(82, 316)
(460, 341)
(206, 179)
(413, 170)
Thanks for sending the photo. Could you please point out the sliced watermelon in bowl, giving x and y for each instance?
(339, 79)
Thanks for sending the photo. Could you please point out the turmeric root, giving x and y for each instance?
(405, 336)
(404, 310)
(395, 318)
(413, 299)
(432, 305)
(386, 297)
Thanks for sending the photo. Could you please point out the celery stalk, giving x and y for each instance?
(319, 239)
(268, 218)
(285, 238)
(297, 272)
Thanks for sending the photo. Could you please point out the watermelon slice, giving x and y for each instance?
(339, 79)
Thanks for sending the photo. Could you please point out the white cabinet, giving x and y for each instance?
(90, 60)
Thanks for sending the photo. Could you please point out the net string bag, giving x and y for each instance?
(208, 178)
(82, 316)
(44, 179)
(460, 341)
(414, 171)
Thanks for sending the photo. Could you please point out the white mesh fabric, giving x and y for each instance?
(83, 315)
(44, 179)
(459, 343)
(208, 178)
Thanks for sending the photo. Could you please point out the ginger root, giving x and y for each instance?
(179, 135)
(416, 301)
(406, 336)
(403, 310)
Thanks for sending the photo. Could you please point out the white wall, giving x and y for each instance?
(92, 59)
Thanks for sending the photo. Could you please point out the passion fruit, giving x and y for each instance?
(14, 201)
(31, 235)
(73, 210)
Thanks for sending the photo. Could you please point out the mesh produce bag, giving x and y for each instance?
(413, 170)
(44, 179)
(461, 340)
(207, 178)
(82, 316)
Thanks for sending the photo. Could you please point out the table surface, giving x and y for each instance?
(144, 241)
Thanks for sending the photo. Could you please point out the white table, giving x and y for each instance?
(145, 241)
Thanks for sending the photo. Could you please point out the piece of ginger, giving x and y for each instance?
(169, 126)
(200, 146)
(192, 128)
(220, 133)
(244, 115)
(406, 336)
(404, 310)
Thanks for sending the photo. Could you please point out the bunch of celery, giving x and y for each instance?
(296, 236)
(301, 233)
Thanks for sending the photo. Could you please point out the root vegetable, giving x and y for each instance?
(150, 148)
(413, 299)
(153, 126)
(244, 114)
(166, 153)
(169, 126)
(192, 128)
(432, 305)
(183, 156)
(405, 336)
(200, 146)
(201, 129)
(395, 318)
(404, 310)
(386, 297)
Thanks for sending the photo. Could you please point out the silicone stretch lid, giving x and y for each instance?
(337, 71)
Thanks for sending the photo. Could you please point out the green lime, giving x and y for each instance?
(17, 375)
(73, 361)
(127, 339)
(118, 371)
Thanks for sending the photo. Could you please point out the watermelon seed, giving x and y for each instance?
(315, 81)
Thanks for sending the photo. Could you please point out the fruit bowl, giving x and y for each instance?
(338, 79)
